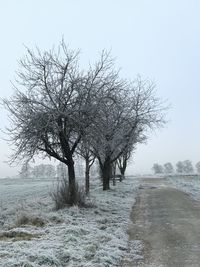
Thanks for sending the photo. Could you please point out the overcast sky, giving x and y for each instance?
(157, 39)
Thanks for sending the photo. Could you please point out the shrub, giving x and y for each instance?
(25, 219)
(61, 195)
(16, 236)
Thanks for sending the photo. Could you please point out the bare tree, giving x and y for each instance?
(25, 171)
(52, 105)
(55, 105)
(168, 168)
(184, 167)
(50, 171)
(84, 150)
(188, 167)
(107, 137)
(122, 162)
(43, 171)
(61, 171)
(157, 168)
(180, 167)
(122, 119)
(198, 167)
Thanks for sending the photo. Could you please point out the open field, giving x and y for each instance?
(188, 184)
(32, 234)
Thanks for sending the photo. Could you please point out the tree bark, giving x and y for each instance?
(114, 173)
(106, 171)
(122, 167)
(122, 171)
(72, 182)
(87, 176)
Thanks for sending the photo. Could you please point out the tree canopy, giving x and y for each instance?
(56, 106)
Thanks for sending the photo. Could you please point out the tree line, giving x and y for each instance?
(42, 171)
(181, 167)
(60, 110)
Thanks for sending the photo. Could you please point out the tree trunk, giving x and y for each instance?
(106, 171)
(87, 176)
(114, 173)
(72, 182)
(122, 171)
(122, 168)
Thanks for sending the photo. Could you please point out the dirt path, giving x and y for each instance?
(168, 223)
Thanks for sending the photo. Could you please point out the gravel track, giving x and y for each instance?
(167, 221)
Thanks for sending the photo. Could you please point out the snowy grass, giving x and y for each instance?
(92, 237)
(190, 185)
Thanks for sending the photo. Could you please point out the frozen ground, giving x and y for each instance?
(32, 234)
(188, 184)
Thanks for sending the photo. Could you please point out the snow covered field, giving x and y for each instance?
(32, 234)
(190, 185)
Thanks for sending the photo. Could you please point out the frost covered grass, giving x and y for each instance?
(36, 235)
(190, 184)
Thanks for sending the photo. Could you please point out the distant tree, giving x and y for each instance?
(43, 171)
(198, 167)
(61, 171)
(157, 168)
(180, 167)
(94, 169)
(25, 171)
(50, 171)
(79, 166)
(187, 166)
(168, 168)
(37, 171)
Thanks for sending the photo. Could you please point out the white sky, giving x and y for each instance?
(157, 39)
